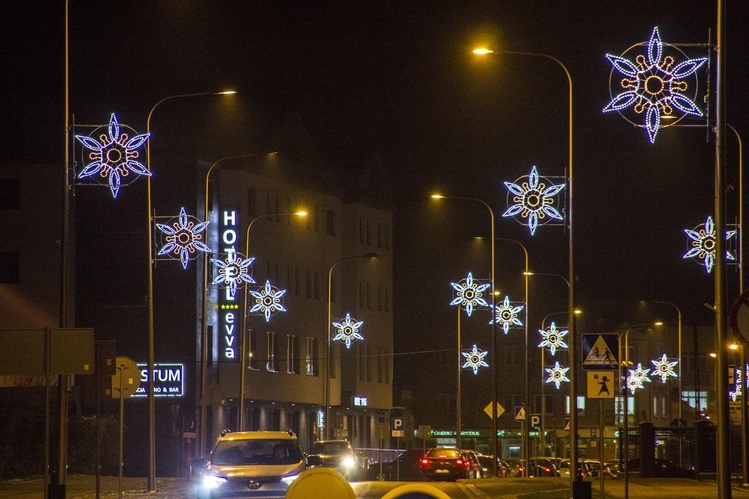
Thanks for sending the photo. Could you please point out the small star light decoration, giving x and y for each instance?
(736, 392)
(506, 315)
(113, 156)
(232, 271)
(557, 374)
(348, 330)
(664, 368)
(637, 377)
(267, 300)
(469, 294)
(653, 85)
(702, 244)
(475, 359)
(183, 238)
(552, 338)
(530, 200)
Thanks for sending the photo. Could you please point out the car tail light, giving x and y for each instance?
(459, 462)
(424, 461)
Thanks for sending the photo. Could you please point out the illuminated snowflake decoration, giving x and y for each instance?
(267, 300)
(470, 294)
(113, 156)
(553, 338)
(702, 244)
(233, 271)
(531, 201)
(506, 315)
(557, 374)
(474, 360)
(637, 377)
(653, 85)
(664, 368)
(183, 238)
(736, 392)
(348, 330)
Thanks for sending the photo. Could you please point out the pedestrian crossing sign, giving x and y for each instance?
(601, 384)
(600, 351)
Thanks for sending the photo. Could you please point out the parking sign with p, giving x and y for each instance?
(397, 427)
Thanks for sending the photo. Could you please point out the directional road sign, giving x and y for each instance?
(519, 413)
(600, 351)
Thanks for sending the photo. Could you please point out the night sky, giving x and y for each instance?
(395, 84)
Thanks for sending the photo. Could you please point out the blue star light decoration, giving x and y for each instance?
(233, 271)
(474, 359)
(183, 238)
(664, 368)
(552, 338)
(348, 330)
(469, 294)
(702, 244)
(652, 85)
(530, 200)
(735, 393)
(557, 374)
(506, 315)
(113, 156)
(267, 300)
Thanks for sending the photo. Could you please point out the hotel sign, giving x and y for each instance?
(229, 318)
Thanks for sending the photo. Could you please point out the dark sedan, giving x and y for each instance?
(445, 464)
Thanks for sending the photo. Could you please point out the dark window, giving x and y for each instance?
(9, 267)
(10, 194)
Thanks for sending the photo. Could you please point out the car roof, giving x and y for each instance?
(257, 435)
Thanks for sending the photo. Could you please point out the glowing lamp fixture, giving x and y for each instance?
(267, 301)
(474, 359)
(469, 294)
(183, 238)
(531, 199)
(654, 85)
(113, 156)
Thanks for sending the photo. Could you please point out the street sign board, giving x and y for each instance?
(739, 316)
(126, 379)
(499, 410)
(535, 424)
(601, 384)
(397, 427)
(519, 413)
(600, 351)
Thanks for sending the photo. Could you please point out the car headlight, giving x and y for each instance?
(348, 462)
(288, 479)
(213, 482)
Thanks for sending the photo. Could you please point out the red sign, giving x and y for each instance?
(739, 317)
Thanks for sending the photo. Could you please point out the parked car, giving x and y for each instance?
(250, 464)
(539, 466)
(663, 469)
(406, 467)
(474, 468)
(445, 464)
(503, 468)
(515, 467)
(336, 454)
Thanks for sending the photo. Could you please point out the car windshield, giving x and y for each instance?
(258, 451)
(329, 447)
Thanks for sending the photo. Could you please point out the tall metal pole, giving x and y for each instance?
(245, 329)
(721, 366)
(744, 377)
(149, 296)
(458, 423)
(328, 427)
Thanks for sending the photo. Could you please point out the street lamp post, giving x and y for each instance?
(204, 307)
(245, 329)
(494, 327)
(572, 342)
(149, 296)
(330, 318)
